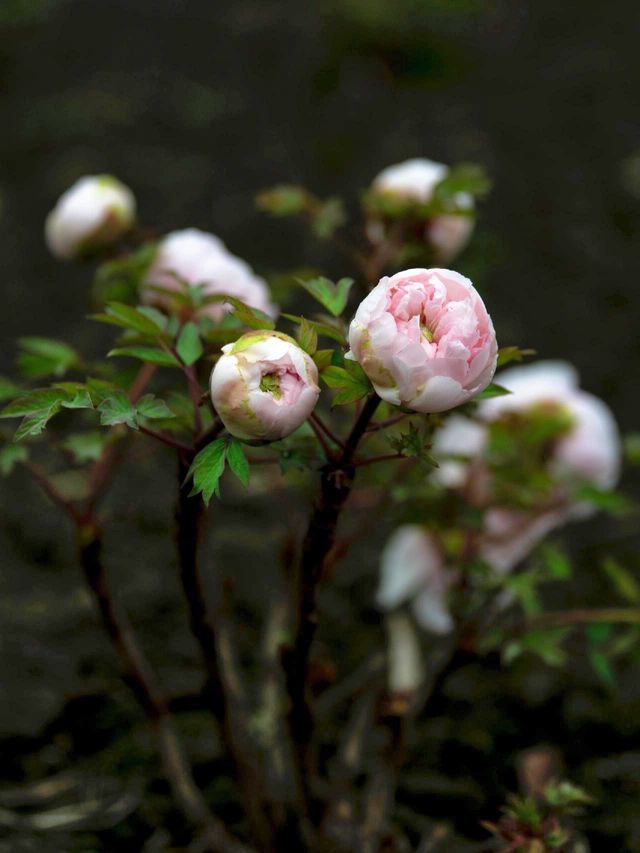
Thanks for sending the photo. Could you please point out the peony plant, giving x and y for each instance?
(375, 391)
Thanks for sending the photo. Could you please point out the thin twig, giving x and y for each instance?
(326, 429)
(359, 463)
(328, 453)
(165, 439)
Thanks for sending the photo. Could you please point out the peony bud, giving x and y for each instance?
(94, 212)
(425, 340)
(411, 568)
(264, 386)
(415, 180)
(197, 258)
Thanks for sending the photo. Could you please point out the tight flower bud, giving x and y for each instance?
(415, 180)
(195, 257)
(264, 386)
(425, 340)
(94, 212)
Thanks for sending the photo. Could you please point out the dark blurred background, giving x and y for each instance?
(197, 106)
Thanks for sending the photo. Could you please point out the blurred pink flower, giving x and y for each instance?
(264, 386)
(93, 212)
(412, 569)
(197, 258)
(425, 339)
(416, 179)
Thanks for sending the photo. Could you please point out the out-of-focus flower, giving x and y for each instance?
(94, 212)
(412, 569)
(425, 339)
(264, 386)
(195, 257)
(405, 663)
(416, 180)
(584, 450)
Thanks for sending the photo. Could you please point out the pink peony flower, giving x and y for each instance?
(198, 258)
(425, 340)
(264, 386)
(412, 569)
(589, 452)
(94, 212)
(415, 180)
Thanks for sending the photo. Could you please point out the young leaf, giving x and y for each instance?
(206, 469)
(508, 354)
(466, 178)
(307, 336)
(189, 346)
(78, 396)
(253, 318)
(153, 408)
(117, 409)
(323, 358)
(332, 296)
(322, 329)
(152, 355)
(350, 388)
(37, 400)
(238, 461)
(133, 319)
(492, 390)
(35, 423)
(10, 456)
(45, 357)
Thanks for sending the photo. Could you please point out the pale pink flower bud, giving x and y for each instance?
(412, 569)
(195, 257)
(415, 180)
(94, 212)
(425, 340)
(264, 386)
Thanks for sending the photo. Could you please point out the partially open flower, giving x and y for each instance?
(264, 386)
(425, 340)
(412, 569)
(415, 180)
(525, 455)
(195, 257)
(94, 212)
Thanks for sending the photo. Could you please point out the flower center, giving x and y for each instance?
(270, 383)
(426, 331)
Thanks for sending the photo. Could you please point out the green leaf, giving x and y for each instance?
(117, 409)
(250, 317)
(133, 319)
(153, 408)
(85, 446)
(349, 387)
(465, 178)
(206, 469)
(506, 355)
(557, 564)
(602, 668)
(327, 217)
(492, 390)
(152, 355)
(189, 346)
(78, 396)
(35, 423)
(332, 296)
(322, 329)
(8, 389)
(238, 461)
(323, 358)
(37, 400)
(46, 357)
(622, 579)
(119, 279)
(307, 336)
(603, 499)
(283, 200)
(10, 456)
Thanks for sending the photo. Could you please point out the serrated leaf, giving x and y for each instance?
(117, 409)
(37, 400)
(100, 389)
(207, 468)
(189, 345)
(323, 358)
(128, 317)
(45, 357)
(332, 296)
(85, 446)
(307, 336)
(153, 408)
(252, 318)
(322, 329)
(349, 388)
(10, 456)
(152, 355)
(506, 355)
(78, 396)
(238, 461)
(35, 423)
(492, 390)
